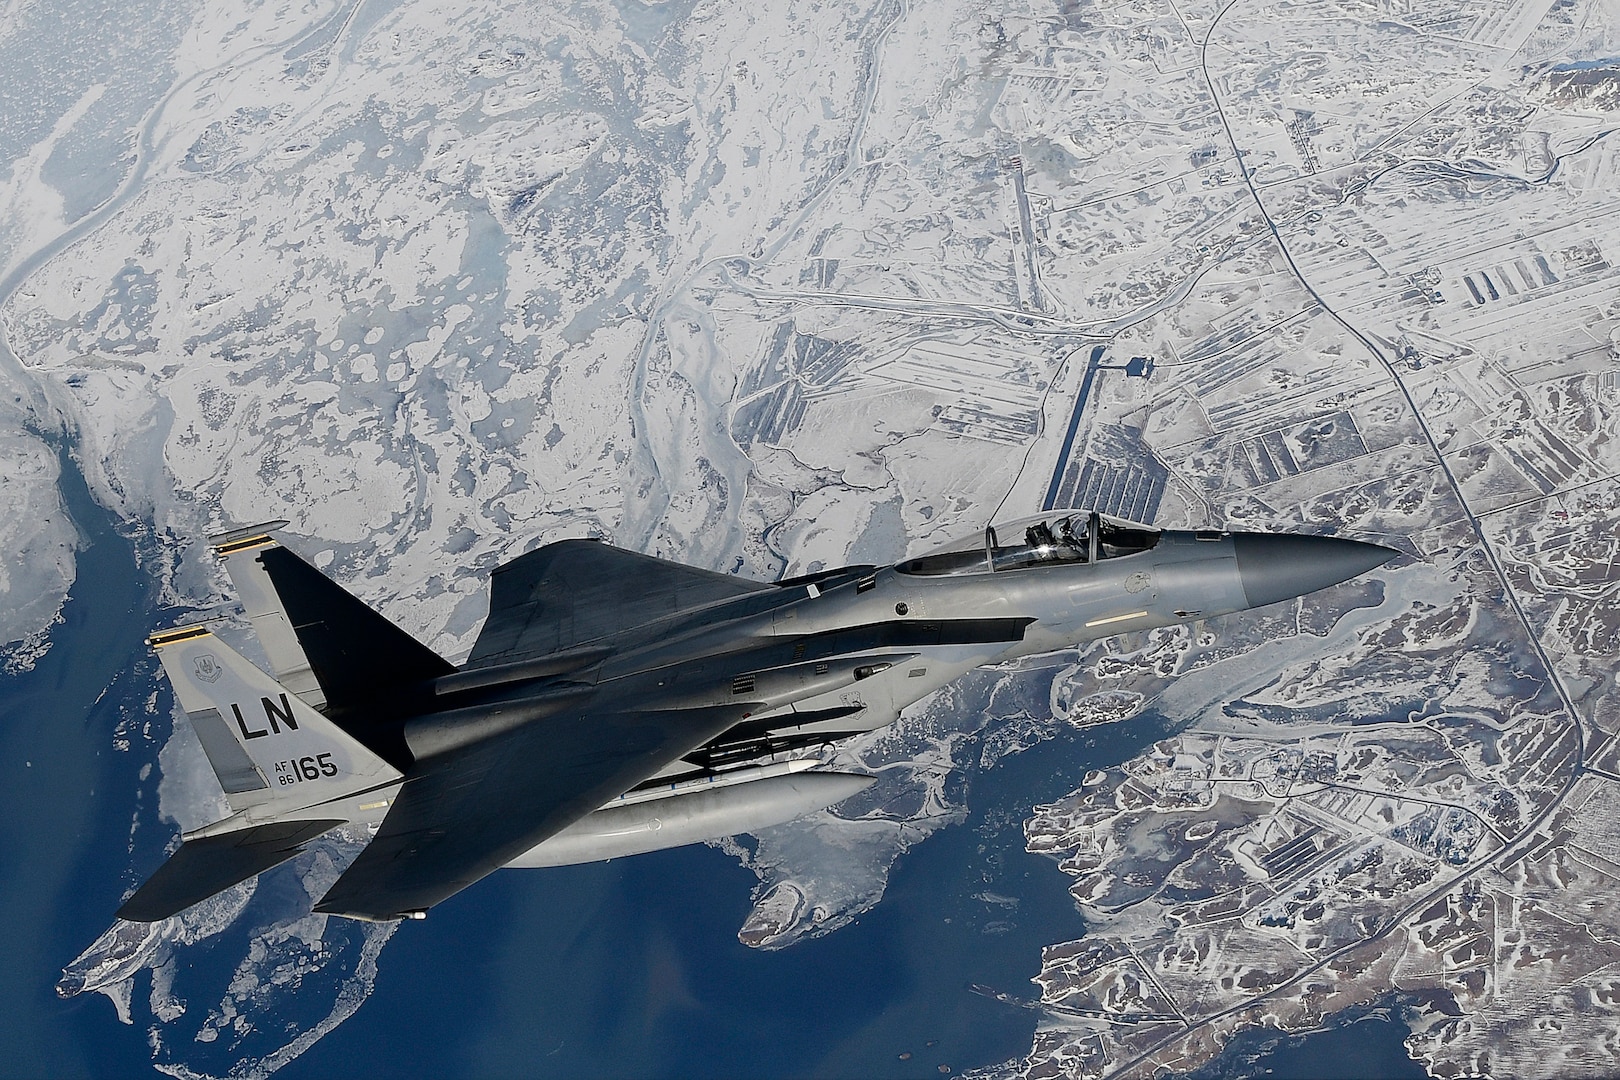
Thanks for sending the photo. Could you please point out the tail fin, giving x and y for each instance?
(357, 654)
(288, 662)
(270, 749)
(325, 645)
(318, 632)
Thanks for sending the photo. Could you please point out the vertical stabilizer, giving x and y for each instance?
(288, 662)
(272, 752)
(325, 645)
(357, 655)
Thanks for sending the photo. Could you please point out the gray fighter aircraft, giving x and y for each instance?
(616, 703)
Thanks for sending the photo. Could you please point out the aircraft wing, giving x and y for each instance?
(575, 591)
(472, 810)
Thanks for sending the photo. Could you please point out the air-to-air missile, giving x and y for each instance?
(616, 703)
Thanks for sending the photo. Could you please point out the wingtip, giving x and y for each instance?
(247, 532)
(343, 911)
(141, 913)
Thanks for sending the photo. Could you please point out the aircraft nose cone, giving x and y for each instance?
(1277, 567)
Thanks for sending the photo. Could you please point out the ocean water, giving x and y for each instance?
(633, 968)
(1363, 1046)
(67, 800)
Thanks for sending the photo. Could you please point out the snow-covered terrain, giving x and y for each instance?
(774, 287)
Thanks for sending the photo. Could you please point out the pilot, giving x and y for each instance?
(1039, 536)
(1066, 537)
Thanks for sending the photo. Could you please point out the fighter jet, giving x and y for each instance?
(615, 703)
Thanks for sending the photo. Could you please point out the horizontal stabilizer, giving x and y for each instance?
(204, 866)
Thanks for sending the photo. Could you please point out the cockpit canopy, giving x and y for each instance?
(1058, 536)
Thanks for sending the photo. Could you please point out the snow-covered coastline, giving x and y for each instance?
(773, 289)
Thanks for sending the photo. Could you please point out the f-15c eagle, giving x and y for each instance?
(616, 703)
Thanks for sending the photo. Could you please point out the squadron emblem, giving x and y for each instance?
(1138, 581)
(206, 668)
